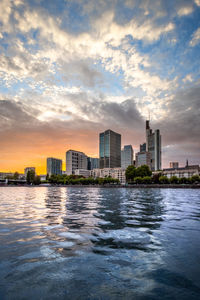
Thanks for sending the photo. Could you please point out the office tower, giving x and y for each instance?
(54, 166)
(29, 169)
(126, 156)
(92, 163)
(75, 160)
(143, 158)
(143, 147)
(109, 149)
(153, 145)
(174, 165)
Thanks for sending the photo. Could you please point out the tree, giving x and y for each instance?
(155, 177)
(138, 180)
(37, 180)
(16, 176)
(30, 176)
(174, 179)
(130, 173)
(163, 179)
(195, 178)
(147, 180)
(143, 171)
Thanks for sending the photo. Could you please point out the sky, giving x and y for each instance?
(70, 69)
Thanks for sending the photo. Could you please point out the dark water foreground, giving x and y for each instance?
(93, 243)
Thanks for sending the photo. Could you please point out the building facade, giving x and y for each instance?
(126, 156)
(82, 172)
(109, 149)
(187, 171)
(153, 146)
(117, 173)
(92, 163)
(54, 166)
(143, 158)
(75, 160)
(174, 165)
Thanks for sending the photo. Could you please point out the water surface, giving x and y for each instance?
(99, 243)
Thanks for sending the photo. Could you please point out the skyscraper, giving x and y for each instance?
(92, 163)
(75, 160)
(126, 156)
(109, 149)
(54, 166)
(153, 146)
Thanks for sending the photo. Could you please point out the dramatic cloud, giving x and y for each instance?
(69, 70)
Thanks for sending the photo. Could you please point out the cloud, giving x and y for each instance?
(184, 11)
(195, 38)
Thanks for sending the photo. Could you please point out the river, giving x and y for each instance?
(99, 243)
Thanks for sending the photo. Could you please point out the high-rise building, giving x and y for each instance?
(75, 160)
(54, 166)
(153, 145)
(143, 158)
(143, 147)
(109, 149)
(126, 156)
(92, 163)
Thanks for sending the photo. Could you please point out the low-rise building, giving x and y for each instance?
(117, 173)
(4, 175)
(82, 172)
(187, 171)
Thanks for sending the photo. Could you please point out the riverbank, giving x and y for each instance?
(132, 186)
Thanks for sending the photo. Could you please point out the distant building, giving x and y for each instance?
(187, 171)
(75, 160)
(92, 163)
(54, 166)
(82, 172)
(174, 165)
(4, 175)
(109, 149)
(117, 173)
(153, 146)
(126, 156)
(29, 169)
(43, 177)
(143, 147)
(143, 158)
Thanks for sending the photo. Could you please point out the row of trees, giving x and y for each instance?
(75, 179)
(143, 175)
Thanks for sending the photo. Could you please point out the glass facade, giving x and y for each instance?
(109, 149)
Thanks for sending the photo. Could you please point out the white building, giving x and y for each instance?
(75, 160)
(126, 156)
(117, 173)
(82, 172)
(187, 171)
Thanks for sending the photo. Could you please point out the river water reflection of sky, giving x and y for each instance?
(99, 243)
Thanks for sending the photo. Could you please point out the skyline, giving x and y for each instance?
(79, 71)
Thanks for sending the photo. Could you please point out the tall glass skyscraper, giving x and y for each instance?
(153, 145)
(54, 166)
(109, 149)
(126, 156)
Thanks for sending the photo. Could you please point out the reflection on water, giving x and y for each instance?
(94, 243)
